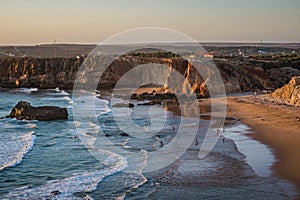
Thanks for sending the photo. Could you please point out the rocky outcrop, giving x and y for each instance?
(121, 105)
(290, 91)
(23, 110)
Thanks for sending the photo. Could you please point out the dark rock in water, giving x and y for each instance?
(119, 105)
(155, 97)
(23, 110)
(123, 134)
(56, 192)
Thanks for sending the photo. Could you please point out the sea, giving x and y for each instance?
(83, 157)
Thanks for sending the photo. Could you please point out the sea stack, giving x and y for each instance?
(23, 110)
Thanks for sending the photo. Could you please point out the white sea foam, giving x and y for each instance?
(79, 182)
(88, 104)
(27, 90)
(86, 107)
(13, 147)
(64, 93)
(58, 91)
(84, 182)
(63, 98)
(31, 125)
(110, 155)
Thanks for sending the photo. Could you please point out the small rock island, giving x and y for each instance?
(23, 110)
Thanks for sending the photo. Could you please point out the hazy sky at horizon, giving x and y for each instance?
(79, 21)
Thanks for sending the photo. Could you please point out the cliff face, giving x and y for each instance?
(61, 72)
(290, 91)
(38, 72)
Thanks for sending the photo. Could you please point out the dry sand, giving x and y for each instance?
(277, 126)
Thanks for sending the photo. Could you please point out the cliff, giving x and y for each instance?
(238, 76)
(290, 91)
(38, 72)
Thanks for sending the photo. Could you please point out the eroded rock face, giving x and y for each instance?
(38, 72)
(238, 76)
(23, 110)
(290, 91)
(295, 99)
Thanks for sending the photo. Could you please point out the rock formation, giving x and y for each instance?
(38, 72)
(238, 76)
(290, 91)
(23, 110)
(121, 105)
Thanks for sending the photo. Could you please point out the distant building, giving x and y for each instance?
(209, 55)
(203, 55)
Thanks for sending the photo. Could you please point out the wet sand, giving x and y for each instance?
(195, 178)
(222, 174)
(277, 126)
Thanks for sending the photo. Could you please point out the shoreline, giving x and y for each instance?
(276, 126)
(273, 124)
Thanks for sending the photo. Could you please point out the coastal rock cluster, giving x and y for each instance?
(290, 91)
(238, 76)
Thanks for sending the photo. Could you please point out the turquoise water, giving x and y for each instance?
(37, 157)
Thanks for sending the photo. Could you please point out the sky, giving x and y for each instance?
(92, 21)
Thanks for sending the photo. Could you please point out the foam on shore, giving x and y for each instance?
(13, 148)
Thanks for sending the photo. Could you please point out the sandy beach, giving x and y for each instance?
(276, 126)
(224, 172)
(274, 123)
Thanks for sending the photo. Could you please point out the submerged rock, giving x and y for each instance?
(124, 134)
(55, 192)
(120, 105)
(23, 110)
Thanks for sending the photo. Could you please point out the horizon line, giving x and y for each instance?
(176, 42)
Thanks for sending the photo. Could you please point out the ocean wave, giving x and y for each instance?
(88, 133)
(59, 91)
(27, 90)
(8, 124)
(64, 98)
(85, 182)
(62, 92)
(29, 125)
(78, 182)
(86, 102)
(14, 147)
